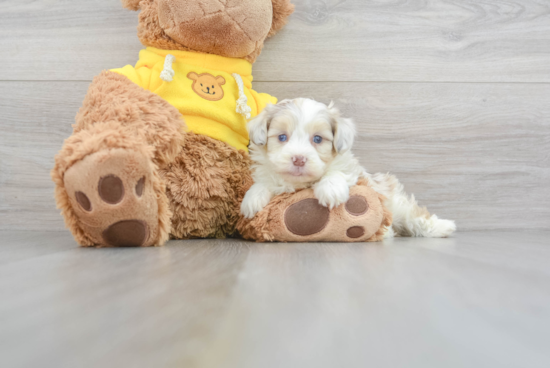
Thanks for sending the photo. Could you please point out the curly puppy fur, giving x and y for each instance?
(205, 185)
(152, 34)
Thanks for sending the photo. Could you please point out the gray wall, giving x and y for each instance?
(452, 96)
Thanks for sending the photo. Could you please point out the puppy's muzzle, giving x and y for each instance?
(299, 161)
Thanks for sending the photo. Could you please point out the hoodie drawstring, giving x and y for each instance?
(242, 102)
(168, 73)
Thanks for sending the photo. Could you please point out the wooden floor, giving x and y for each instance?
(481, 299)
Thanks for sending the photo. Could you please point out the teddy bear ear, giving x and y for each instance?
(281, 11)
(131, 4)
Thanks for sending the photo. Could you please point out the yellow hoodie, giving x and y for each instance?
(204, 88)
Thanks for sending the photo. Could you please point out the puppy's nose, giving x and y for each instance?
(299, 160)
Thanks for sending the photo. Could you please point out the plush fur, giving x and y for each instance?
(282, 9)
(131, 4)
(112, 97)
(286, 157)
(172, 30)
(205, 185)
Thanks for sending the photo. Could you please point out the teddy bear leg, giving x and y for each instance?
(298, 217)
(107, 182)
(113, 195)
(205, 185)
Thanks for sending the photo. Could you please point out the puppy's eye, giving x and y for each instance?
(212, 86)
(317, 139)
(283, 138)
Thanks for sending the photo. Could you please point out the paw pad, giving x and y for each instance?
(113, 196)
(306, 217)
(355, 232)
(140, 186)
(83, 201)
(111, 189)
(299, 217)
(357, 205)
(128, 233)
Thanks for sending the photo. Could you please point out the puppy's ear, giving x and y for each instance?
(281, 11)
(257, 127)
(131, 4)
(344, 130)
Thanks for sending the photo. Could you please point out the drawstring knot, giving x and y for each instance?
(242, 102)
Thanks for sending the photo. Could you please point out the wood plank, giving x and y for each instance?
(108, 317)
(326, 40)
(478, 300)
(35, 118)
(18, 246)
(476, 153)
(65, 40)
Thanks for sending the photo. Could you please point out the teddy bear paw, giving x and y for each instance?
(300, 217)
(113, 198)
(356, 220)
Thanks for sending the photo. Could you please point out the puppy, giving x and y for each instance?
(303, 143)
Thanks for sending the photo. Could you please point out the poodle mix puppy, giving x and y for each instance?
(302, 143)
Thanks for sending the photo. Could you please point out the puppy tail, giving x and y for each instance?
(409, 218)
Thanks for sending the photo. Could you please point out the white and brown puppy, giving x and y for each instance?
(303, 143)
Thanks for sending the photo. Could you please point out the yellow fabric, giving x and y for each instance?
(216, 119)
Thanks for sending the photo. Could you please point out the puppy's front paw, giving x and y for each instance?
(331, 194)
(250, 207)
(254, 201)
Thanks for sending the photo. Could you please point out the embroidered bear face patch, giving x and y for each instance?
(207, 86)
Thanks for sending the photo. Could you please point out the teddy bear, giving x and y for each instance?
(159, 149)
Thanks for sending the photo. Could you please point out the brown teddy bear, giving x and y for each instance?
(159, 149)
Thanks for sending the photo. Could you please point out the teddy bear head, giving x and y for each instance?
(231, 28)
